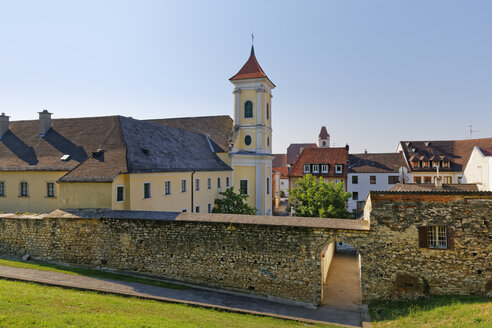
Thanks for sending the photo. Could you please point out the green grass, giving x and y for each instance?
(36, 265)
(31, 305)
(442, 311)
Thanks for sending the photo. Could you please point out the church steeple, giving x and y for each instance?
(251, 69)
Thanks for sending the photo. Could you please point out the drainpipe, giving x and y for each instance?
(192, 188)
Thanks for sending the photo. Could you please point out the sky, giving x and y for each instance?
(373, 72)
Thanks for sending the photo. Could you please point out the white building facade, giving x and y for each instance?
(479, 169)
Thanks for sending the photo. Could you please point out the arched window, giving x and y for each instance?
(247, 140)
(268, 141)
(268, 112)
(248, 109)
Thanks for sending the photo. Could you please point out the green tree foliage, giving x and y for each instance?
(314, 197)
(232, 203)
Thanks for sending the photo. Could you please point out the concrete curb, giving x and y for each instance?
(366, 316)
(171, 300)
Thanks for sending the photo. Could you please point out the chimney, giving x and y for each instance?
(44, 122)
(365, 151)
(347, 147)
(4, 124)
(438, 182)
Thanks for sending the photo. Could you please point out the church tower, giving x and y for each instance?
(323, 138)
(252, 138)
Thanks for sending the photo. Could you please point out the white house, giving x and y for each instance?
(478, 169)
(371, 172)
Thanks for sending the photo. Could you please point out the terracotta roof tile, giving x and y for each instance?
(295, 149)
(280, 160)
(411, 187)
(284, 171)
(330, 156)
(250, 70)
(486, 151)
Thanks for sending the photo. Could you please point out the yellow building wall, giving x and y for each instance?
(177, 200)
(246, 173)
(85, 195)
(246, 95)
(37, 200)
(240, 141)
(225, 158)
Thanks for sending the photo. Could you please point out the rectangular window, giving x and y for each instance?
(445, 164)
(447, 180)
(243, 187)
(218, 182)
(427, 179)
(209, 208)
(338, 168)
(315, 168)
(209, 183)
(50, 189)
(415, 164)
(372, 179)
(120, 194)
(355, 195)
(268, 186)
(2, 188)
(167, 187)
(227, 181)
(324, 168)
(355, 179)
(307, 168)
(417, 179)
(147, 190)
(197, 184)
(425, 164)
(24, 189)
(435, 164)
(459, 179)
(437, 237)
(393, 179)
(183, 185)
(197, 209)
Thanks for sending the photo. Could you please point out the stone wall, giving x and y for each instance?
(231, 253)
(400, 268)
(276, 256)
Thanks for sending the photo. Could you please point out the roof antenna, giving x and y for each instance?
(472, 131)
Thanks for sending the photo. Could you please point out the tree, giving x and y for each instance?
(316, 198)
(232, 203)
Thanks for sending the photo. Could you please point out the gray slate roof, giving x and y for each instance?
(376, 163)
(121, 139)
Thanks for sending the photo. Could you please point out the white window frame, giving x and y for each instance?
(437, 237)
(183, 185)
(167, 187)
(324, 168)
(20, 189)
(315, 168)
(47, 190)
(150, 190)
(338, 168)
(197, 184)
(116, 195)
(307, 168)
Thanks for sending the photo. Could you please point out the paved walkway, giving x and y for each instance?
(342, 286)
(282, 208)
(193, 296)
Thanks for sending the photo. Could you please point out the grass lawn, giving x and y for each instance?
(25, 304)
(451, 311)
(36, 265)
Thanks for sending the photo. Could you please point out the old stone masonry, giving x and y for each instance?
(410, 244)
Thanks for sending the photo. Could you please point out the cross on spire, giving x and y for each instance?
(252, 39)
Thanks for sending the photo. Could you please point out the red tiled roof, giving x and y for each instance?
(250, 70)
(329, 156)
(323, 133)
(294, 150)
(486, 151)
(284, 171)
(279, 160)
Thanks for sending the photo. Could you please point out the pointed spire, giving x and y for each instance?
(252, 51)
(251, 69)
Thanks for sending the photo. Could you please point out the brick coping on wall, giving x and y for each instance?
(322, 223)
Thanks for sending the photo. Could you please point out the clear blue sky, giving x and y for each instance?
(374, 72)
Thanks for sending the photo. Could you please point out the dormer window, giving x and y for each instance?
(316, 168)
(307, 168)
(324, 168)
(445, 164)
(425, 164)
(415, 164)
(248, 109)
(338, 168)
(435, 164)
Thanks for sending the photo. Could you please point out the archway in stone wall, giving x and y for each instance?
(341, 276)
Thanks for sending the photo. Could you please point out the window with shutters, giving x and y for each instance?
(436, 237)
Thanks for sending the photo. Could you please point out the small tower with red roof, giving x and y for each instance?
(251, 147)
(323, 138)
